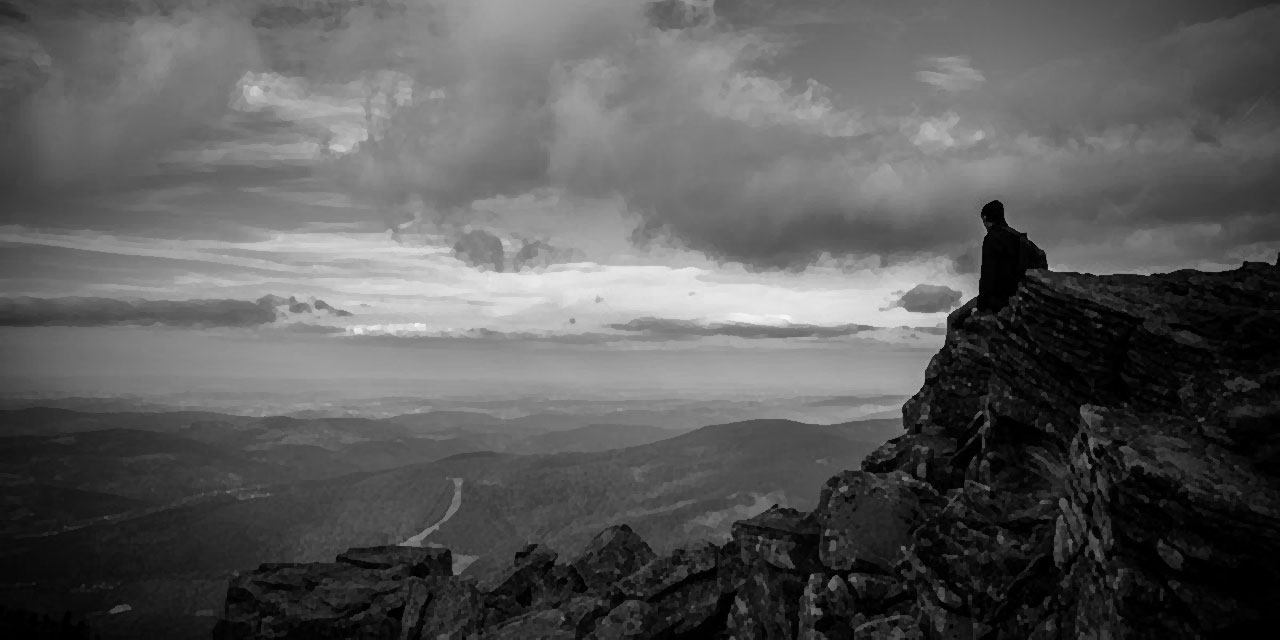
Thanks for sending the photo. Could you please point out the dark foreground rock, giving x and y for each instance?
(1101, 459)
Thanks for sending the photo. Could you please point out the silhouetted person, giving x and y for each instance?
(1006, 256)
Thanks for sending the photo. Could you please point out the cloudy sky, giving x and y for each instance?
(738, 195)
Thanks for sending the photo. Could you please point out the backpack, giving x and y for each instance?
(1030, 256)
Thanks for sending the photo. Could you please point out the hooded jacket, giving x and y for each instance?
(998, 279)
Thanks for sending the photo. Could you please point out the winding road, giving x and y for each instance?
(417, 540)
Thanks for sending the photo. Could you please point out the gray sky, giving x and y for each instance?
(553, 174)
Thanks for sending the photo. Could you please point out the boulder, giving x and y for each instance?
(440, 608)
(421, 561)
(926, 457)
(683, 590)
(892, 627)
(767, 605)
(526, 575)
(534, 581)
(315, 600)
(612, 554)
(548, 624)
(664, 574)
(783, 538)
(582, 612)
(627, 620)
(868, 518)
(826, 609)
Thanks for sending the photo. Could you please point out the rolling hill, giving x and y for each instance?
(165, 564)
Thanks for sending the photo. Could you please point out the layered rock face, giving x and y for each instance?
(1101, 459)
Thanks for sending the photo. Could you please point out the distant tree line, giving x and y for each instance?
(20, 623)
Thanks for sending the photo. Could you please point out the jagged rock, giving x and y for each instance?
(442, 609)
(519, 582)
(893, 627)
(539, 625)
(627, 620)
(784, 538)
(612, 554)
(767, 605)
(826, 609)
(1067, 526)
(778, 550)
(875, 593)
(422, 561)
(925, 457)
(560, 584)
(684, 590)
(665, 573)
(867, 518)
(533, 581)
(328, 600)
(582, 612)
(1183, 526)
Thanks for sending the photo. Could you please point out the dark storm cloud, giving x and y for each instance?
(706, 146)
(94, 312)
(479, 248)
(705, 151)
(90, 95)
(1168, 148)
(929, 298)
(712, 154)
(1202, 73)
(673, 329)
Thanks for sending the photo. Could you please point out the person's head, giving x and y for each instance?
(993, 214)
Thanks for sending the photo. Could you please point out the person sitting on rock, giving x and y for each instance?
(1006, 256)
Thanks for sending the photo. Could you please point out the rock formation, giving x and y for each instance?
(1099, 460)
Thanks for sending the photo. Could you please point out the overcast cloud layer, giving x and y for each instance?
(1167, 145)
(1164, 147)
(602, 175)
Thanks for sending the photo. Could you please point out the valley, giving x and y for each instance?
(156, 510)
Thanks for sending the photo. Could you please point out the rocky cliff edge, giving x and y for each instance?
(1101, 459)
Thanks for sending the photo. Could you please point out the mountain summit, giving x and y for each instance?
(1100, 459)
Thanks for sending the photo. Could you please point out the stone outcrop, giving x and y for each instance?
(613, 554)
(1100, 459)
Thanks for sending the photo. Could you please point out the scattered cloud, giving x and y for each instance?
(95, 312)
(950, 73)
(479, 248)
(929, 298)
(539, 254)
(309, 328)
(673, 329)
(84, 311)
(969, 261)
